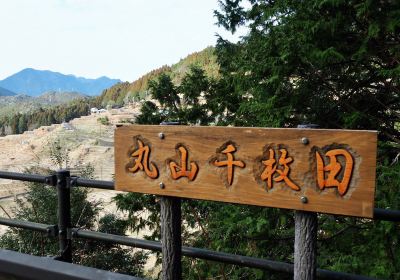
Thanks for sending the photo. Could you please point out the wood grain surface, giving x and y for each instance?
(329, 171)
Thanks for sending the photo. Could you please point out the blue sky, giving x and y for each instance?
(117, 38)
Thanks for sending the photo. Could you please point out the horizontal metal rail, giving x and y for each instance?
(23, 177)
(14, 265)
(205, 254)
(97, 184)
(25, 224)
(193, 252)
(379, 214)
(387, 215)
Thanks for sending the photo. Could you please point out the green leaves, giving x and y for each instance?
(40, 205)
(330, 62)
(190, 103)
(165, 92)
(329, 55)
(149, 114)
(193, 85)
(373, 30)
(231, 16)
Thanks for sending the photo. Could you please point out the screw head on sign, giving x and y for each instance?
(304, 199)
(162, 185)
(305, 141)
(161, 135)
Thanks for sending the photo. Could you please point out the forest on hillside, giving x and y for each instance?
(17, 123)
(124, 93)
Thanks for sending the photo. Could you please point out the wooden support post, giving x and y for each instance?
(171, 232)
(171, 238)
(305, 245)
(305, 238)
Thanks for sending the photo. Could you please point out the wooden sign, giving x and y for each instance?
(331, 171)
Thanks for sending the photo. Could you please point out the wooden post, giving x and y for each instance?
(305, 245)
(305, 239)
(171, 232)
(171, 238)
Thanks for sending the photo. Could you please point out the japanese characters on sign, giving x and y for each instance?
(271, 165)
(141, 162)
(275, 170)
(334, 168)
(178, 171)
(229, 163)
(252, 168)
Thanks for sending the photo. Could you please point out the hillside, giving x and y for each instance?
(6, 92)
(35, 82)
(123, 93)
(85, 137)
(88, 143)
(10, 105)
(53, 97)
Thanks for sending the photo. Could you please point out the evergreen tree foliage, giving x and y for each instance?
(149, 114)
(187, 103)
(59, 155)
(333, 63)
(193, 84)
(40, 205)
(165, 92)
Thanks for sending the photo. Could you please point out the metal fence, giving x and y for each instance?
(15, 266)
(66, 233)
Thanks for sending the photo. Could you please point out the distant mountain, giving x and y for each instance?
(35, 82)
(6, 92)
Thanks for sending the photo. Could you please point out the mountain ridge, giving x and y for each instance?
(35, 82)
(6, 92)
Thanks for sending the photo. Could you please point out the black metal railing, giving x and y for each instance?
(65, 233)
(14, 265)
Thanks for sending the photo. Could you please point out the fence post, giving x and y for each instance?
(64, 216)
(305, 245)
(305, 240)
(171, 238)
(171, 232)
